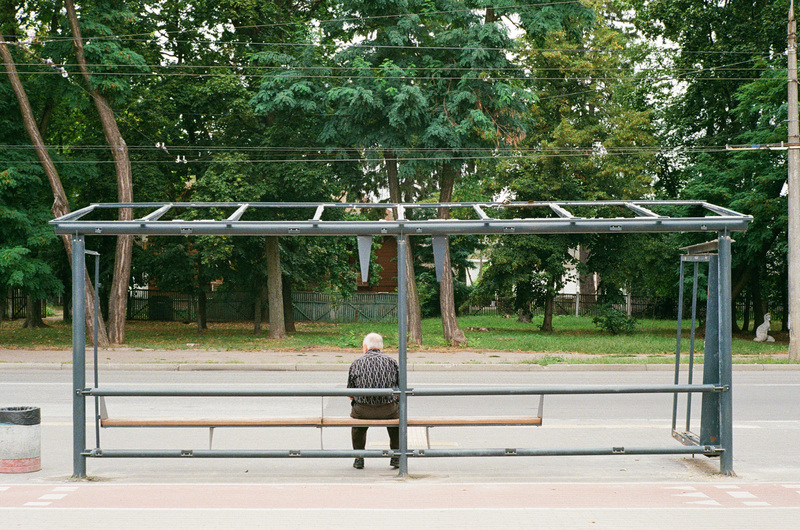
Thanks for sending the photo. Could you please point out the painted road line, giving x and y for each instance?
(741, 494)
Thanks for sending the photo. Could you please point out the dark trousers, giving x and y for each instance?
(374, 412)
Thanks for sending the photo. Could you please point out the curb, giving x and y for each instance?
(412, 367)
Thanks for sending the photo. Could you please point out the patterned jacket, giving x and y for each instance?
(373, 370)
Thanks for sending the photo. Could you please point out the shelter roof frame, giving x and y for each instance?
(547, 217)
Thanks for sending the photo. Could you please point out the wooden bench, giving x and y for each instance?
(321, 422)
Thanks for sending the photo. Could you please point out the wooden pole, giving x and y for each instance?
(794, 193)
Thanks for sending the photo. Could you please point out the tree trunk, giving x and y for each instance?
(587, 295)
(258, 303)
(414, 311)
(288, 307)
(66, 314)
(759, 309)
(202, 313)
(547, 322)
(118, 298)
(748, 298)
(60, 204)
(264, 301)
(33, 314)
(277, 326)
(452, 333)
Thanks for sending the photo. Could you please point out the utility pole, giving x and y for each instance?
(794, 193)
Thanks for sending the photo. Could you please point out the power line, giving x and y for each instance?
(183, 160)
(415, 68)
(355, 18)
(676, 71)
(344, 47)
(323, 149)
(195, 75)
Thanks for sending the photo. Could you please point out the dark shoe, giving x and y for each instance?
(394, 462)
(359, 463)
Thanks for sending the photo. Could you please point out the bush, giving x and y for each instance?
(614, 321)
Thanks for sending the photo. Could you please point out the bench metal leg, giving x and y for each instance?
(210, 437)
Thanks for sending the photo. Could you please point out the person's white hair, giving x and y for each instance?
(373, 341)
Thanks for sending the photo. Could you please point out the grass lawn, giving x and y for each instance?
(654, 338)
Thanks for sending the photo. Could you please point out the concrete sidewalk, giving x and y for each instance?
(318, 360)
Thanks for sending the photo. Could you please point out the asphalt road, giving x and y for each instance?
(605, 491)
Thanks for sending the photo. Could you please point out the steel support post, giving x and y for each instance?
(690, 380)
(402, 351)
(678, 349)
(78, 356)
(725, 354)
(94, 343)
(709, 415)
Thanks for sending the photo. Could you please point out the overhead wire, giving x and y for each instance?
(572, 153)
(363, 18)
(341, 46)
(414, 68)
(417, 78)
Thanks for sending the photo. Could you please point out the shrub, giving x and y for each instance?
(614, 321)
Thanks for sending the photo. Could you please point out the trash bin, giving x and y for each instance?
(20, 439)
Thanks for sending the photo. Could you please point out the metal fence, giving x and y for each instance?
(15, 305)
(361, 307)
(146, 304)
(227, 306)
(234, 306)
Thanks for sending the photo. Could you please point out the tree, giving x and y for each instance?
(588, 139)
(375, 113)
(118, 300)
(60, 205)
(752, 182)
(732, 94)
(26, 236)
(439, 78)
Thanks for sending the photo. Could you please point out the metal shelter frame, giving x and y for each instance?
(575, 217)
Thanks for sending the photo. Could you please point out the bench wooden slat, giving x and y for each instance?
(495, 421)
(439, 421)
(228, 422)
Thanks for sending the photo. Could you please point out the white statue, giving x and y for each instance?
(762, 332)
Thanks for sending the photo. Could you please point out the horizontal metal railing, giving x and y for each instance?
(438, 453)
(424, 391)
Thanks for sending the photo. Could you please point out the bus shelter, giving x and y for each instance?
(402, 220)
